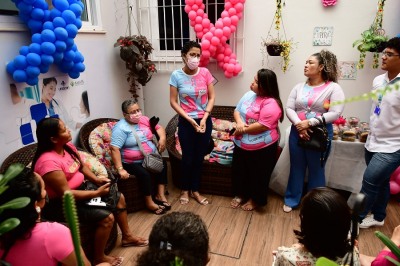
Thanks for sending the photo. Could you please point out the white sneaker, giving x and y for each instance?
(369, 221)
(287, 208)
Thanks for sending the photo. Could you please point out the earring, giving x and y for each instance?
(38, 209)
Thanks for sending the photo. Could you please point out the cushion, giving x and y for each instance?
(94, 165)
(99, 142)
(222, 125)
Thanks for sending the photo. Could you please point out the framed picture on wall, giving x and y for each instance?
(348, 69)
(322, 36)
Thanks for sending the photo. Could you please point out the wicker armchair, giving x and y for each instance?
(129, 187)
(24, 156)
(216, 178)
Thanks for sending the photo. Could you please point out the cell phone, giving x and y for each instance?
(232, 131)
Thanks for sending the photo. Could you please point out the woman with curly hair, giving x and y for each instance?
(325, 220)
(308, 105)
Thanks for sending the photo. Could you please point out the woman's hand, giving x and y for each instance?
(103, 190)
(101, 180)
(123, 174)
(161, 145)
(195, 125)
(202, 126)
(304, 134)
(240, 129)
(302, 125)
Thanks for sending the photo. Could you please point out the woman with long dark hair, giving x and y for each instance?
(58, 162)
(256, 140)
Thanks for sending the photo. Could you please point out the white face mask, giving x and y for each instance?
(193, 62)
(135, 117)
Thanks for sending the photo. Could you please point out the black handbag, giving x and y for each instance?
(319, 138)
(108, 201)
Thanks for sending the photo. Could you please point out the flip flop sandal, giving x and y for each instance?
(204, 201)
(165, 204)
(236, 202)
(159, 211)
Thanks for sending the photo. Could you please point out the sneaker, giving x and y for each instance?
(287, 208)
(369, 221)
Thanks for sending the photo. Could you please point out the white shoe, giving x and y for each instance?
(287, 208)
(369, 221)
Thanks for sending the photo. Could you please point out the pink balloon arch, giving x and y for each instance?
(395, 182)
(214, 37)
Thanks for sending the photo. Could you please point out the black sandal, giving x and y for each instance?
(157, 211)
(165, 204)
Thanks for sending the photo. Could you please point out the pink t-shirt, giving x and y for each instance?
(51, 161)
(380, 260)
(48, 244)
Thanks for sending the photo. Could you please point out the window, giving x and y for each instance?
(166, 24)
(91, 20)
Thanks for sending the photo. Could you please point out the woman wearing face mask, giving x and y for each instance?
(128, 158)
(193, 85)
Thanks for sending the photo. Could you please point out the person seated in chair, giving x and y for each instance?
(325, 220)
(58, 162)
(181, 236)
(128, 158)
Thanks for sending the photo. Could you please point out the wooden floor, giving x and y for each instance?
(238, 237)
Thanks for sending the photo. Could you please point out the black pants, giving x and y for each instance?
(252, 171)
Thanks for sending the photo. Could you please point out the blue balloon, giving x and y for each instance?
(37, 13)
(24, 17)
(61, 33)
(60, 46)
(72, 30)
(47, 48)
(29, 2)
(47, 59)
(10, 67)
(33, 59)
(48, 25)
(69, 55)
(58, 57)
(20, 75)
(69, 42)
(41, 4)
(48, 36)
(66, 65)
(59, 22)
(78, 57)
(74, 48)
(46, 15)
(34, 48)
(78, 67)
(32, 71)
(35, 25)
(20, 62)
(37, 38)
(24, 8)
(81, 4)
(44, 68)
(68, 16)
(54, 13)
(77, 9)
(78, 23)
(24, 50)
(32, 81)
(61, 4)
(74, 75)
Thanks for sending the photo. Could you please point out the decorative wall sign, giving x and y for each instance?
(322, 36)
(348, 69)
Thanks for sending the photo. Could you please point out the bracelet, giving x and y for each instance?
(120, 168)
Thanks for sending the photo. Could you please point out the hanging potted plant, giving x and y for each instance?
(279, 45)
(372, 40)
(135, 51)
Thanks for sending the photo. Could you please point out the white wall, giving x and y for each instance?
(105, 71)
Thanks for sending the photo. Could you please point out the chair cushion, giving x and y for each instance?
(222, 125)
(93, 163)
(99, 142)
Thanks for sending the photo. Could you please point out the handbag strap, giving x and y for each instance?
(140, 143)
(321, 121)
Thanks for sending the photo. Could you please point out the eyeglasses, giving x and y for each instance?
(134, 112)
(389, 54)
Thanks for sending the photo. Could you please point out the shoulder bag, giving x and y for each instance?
(109, 201)
(153, 162)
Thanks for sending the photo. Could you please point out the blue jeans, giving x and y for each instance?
(375, 184)
(194, 147)
(300, 160)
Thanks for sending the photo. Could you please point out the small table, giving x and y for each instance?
(344, 168)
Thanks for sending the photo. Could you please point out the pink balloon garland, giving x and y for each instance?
(214, 37)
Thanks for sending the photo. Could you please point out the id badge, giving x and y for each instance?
(377, 110)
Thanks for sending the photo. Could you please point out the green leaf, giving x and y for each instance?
(135, 49)
(17, 203)
(389, 243)
(322, 261)
(12, 171)
(8, 225)
(395, 262)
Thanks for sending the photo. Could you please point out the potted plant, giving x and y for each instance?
(372, 40)
(135, 50)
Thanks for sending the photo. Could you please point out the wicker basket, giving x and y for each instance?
(216, 178)
(87, 231)
(129, 187)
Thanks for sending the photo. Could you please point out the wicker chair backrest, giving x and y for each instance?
(23, 155)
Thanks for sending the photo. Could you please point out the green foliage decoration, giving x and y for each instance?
(391, 245)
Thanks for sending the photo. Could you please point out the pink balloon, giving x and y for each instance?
(213, 49)
(199, 34)
(234, 20)
(238, 69)
(198, 28)
(223, 39)
(188, 9)
(192, 15)
(206, 23)
(195, 7)
(224, 14)
(215, 40)
(192, 23)
(226, 21)
(232, 11)
(233, 56)
(234, 2)
(221, 64)
(189, 2)
(230, 67)
(226, 59)
(394, 188)
(232, 61)
(228, 74)
(227, 31)
(219, 33)
(205, 54)
(233, 28)
(205, 44)
(212, 30)
(200, 12)
(198, 20)
(228, 51)
(219, 24)
(220, 57)
(239, 7)
(220, 49)
(208, 36)
(198, 2)
(228, 5)
(205, 30)
(202, 6)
